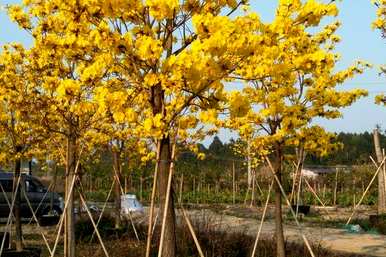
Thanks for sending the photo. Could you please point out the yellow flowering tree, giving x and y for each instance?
(119, 133)
(16, 136)
(290, 84)
(170, 56)
(64, 72)
(380, 24)
(173, 56)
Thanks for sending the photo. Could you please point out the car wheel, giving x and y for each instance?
(50, 217)
(56, 211)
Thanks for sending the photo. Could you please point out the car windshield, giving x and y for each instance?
(34, 185)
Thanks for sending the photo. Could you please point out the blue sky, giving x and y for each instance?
(359, 41)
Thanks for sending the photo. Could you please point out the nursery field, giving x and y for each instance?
(107, 106)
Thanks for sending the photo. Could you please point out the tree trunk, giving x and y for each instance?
(335, 186)
(253, 188)
(141, 187)
(280, 245)
(181, 188)
(381, 175)
(157, 102)
(117, 187)
(69, 230)
(233, 183)
(169, 247)
(16, 208)
(249, 162)
(30, 167)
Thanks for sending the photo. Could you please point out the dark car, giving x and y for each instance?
(43, 202)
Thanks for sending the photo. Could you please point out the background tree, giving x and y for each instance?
(18, 139)
(63, 72)
(173, 55)
(293, 82)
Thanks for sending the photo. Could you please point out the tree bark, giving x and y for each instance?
(381, 175)
(69, 237)
(117, 188)
(280, 244)
(169, 247)
(16, 208)
(157, 102)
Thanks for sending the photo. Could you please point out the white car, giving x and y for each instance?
(131, 205)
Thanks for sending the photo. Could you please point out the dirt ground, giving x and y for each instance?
(317, 228)
(317, 231)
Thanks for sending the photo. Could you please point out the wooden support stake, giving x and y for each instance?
(289, 205)
(367, 189)
(335, 186)
(233, 183)
(181, 188)
(169, 186)
(262, 220)
(153, 192)
(93, 223)
(192, 232)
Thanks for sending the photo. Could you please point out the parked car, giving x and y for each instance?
(131, 205)
(43, 202)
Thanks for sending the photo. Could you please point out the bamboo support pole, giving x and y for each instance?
(103, 208)
(367, 189)
(171, 170)
(189, 224)
(298, 193)
(36, 220)
(67, 200)
(153, 192)
(6, 199)
(181, 188)
(258, 186)
(376, 166)
(314, 193)
(253, 189)
(289, 205)
(93, 223)
(7, 228)
(200, 252)
(62, 217)
(41, 201)
(233, 183)
(335, 186)
(129, 212)
(262, 220)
